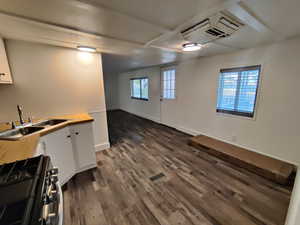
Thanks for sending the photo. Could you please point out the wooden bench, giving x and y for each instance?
(262, 165)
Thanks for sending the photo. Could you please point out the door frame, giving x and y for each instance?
(162, 69)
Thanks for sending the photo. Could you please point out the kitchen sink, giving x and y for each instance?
(20, 132)
(51, 122)
(16, 134)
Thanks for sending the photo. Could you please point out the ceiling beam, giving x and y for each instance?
(96, 5)
(167, 48)
(241, 12)
(23, 28)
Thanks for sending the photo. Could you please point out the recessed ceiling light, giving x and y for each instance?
(86, 49)
(189, 47)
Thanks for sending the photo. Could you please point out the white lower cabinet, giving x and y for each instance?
(83, 146)
(58, 146)
(71, 149)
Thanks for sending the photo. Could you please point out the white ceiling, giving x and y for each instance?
(139, 33)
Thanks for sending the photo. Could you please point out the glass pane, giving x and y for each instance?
(144, 88)
(165, 75)
(136, 88)
(172, 94)
(165, 94)
(169, 85)
(173, 84)
(172, 74)
(247, 91)
(228, 82)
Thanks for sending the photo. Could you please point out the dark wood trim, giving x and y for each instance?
(240, 69)
(237, 113)
(139, 78)
(143, 99)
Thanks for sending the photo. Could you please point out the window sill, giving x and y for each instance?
(233, 116)
(143, 99)
(236, 113)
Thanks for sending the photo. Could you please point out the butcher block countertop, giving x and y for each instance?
(25, 147)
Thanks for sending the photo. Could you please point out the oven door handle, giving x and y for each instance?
(61, 204)
(56, 217)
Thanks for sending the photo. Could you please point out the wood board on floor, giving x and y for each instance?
(265, 166)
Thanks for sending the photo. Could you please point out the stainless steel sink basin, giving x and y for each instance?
(20, 132)
(51, 122)
(16, 134)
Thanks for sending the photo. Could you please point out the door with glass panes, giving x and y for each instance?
(168, 96)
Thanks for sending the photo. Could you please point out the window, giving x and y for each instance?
(238, 90)
(139, 88)
(169, 83)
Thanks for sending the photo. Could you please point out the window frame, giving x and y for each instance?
(131, 88)
(162, 82)
(250, 115)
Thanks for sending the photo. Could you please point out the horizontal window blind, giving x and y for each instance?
(237, 90)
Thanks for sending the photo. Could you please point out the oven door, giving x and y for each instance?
(53, 211)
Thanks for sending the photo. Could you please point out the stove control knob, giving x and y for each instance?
(47, 181)
(46, 200)
(54, 171)
(52, 198)
(54, 179)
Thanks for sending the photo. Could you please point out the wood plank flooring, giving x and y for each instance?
(150, 176)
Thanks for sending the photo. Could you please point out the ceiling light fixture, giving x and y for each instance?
(86, 49)
(189, 47)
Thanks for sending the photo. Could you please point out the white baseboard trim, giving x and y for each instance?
(155, 119)
(186, 130)
(102, 146)
(194, 133)
(182, 129)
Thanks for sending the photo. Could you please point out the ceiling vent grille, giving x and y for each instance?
(212, 28)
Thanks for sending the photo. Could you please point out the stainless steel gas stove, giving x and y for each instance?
(30, 193)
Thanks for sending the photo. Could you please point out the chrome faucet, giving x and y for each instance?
(20, 112)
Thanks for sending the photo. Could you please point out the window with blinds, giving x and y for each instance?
(169, 84)
(237, 90)
(139, 88)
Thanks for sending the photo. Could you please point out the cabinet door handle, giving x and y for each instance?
(77, 133)
(2, 74)
(68, 136)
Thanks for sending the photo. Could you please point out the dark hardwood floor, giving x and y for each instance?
(150, 176)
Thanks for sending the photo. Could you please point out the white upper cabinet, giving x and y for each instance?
(83, 146)
(5, 75)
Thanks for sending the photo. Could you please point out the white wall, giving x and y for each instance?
(275, 129)
(149, 109)
(52, 81)
(111, 90)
